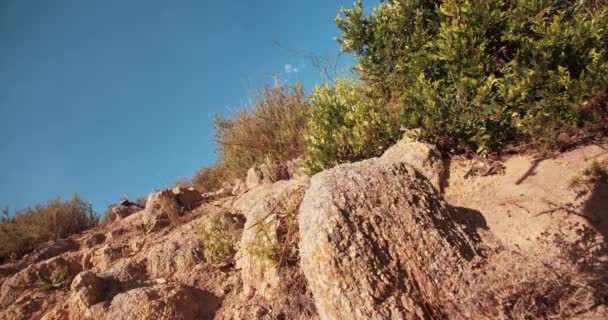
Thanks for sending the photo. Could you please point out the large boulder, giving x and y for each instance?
(377, 242)
(255, 258)
(163, 302)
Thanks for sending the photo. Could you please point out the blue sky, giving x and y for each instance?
(103, 98)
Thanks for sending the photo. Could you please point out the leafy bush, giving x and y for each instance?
(57, 219)
(485, 72)
(346, 123)
(273, 126)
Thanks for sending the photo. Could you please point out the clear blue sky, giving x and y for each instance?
(103, 98)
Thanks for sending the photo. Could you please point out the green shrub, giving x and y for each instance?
(346, 123)
(485, 73)
(272, 126)
(56, 219)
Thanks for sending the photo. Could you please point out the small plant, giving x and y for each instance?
(590, 178)
(263, 247)
(46, 283)
(219, 237)
(283, 250)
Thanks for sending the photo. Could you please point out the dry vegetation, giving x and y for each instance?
(21, 233)
(272, 127)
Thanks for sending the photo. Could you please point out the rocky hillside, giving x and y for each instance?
(407, 235)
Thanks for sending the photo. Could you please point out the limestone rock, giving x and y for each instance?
(373, 232)
(105, 256)
(122, 212)
(424, 157)
(163, 302)
(87, 288)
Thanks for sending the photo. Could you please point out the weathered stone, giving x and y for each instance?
(173, 258)
(51, 249)
(94, 239)
(122, 212)
(258, 175)
(105, 256)
(371, 233)
(163, 302)
(424, 157)
(87, 289)
(58, 270)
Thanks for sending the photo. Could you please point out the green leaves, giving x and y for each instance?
(346, 124)
(483, 72)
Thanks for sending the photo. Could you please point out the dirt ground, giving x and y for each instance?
(513, 205)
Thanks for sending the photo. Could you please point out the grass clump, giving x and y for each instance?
(21, 233)
(276, 240)
(595, 174)
(219, 237)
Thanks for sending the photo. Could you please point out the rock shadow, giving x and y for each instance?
(595, 207)
(471, 222)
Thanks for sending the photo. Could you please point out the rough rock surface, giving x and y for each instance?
(260, 207)
(377, 241)
(258, 175)
(239, 187)
(57, 268)
(422, 156)
(163, 302)
(374, 232)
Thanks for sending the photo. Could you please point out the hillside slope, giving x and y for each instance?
(401, 236)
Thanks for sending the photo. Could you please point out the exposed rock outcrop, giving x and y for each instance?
(377, 242)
